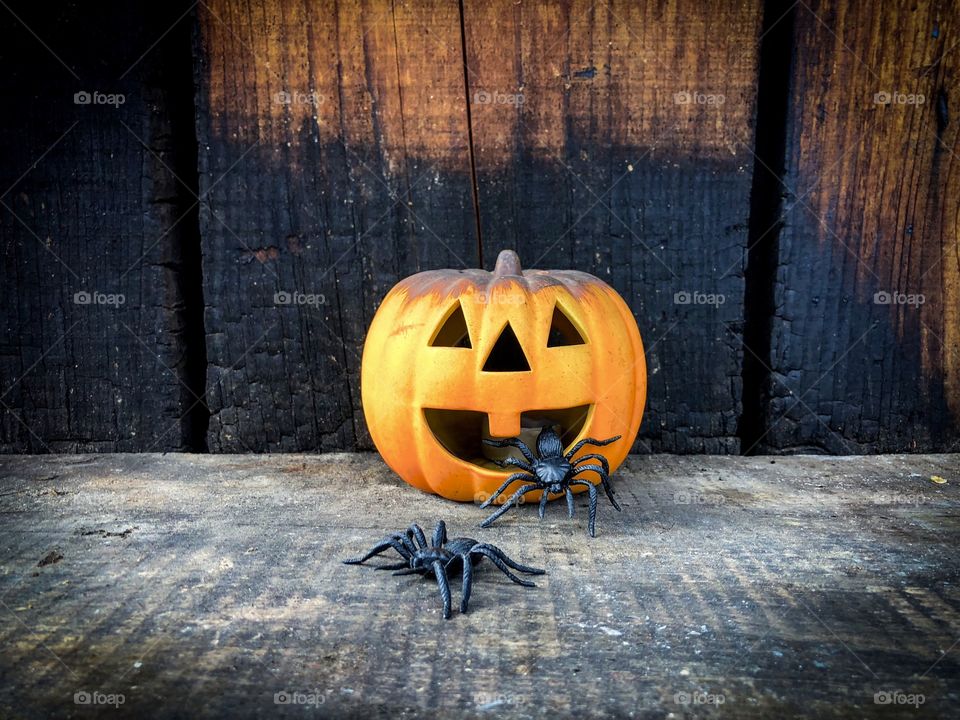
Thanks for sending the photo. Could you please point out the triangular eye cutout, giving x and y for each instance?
(453, 332)
(563, 331)
(507, 355)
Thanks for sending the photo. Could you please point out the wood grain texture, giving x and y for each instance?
(616, 138)
(871, 198)
(91, 204)
(335, 158)
(201, 586)
(334, 161)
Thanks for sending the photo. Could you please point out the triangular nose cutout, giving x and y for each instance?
(507, 355)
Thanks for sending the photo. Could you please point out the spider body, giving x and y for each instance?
(553, 473)
(441, 557)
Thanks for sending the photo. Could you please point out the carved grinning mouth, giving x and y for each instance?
(461, 432)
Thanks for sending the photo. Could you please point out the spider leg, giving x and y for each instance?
(589, 441)
(407, 571)
(593, 504)
(508, 504)
(594, 456)
(544, 496)
(440, 534)
(418, 534)
(517, 463)
(441, 574)
(569, 503)
(467, 581)
(512, 442)
(512, 478)
(398, 566)
(486, 551)
(408, 542)
(507, 561)
(393, 541)
(604, 479)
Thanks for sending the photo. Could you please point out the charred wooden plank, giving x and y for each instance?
(865, 349)
(616, 138)
(334, 161)
(99, 158)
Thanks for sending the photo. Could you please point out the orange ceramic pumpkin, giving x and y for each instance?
(454, 356)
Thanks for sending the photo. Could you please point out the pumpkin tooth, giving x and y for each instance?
(504, 425)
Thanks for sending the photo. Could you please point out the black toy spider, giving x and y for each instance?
(553, 473)
(441, 556)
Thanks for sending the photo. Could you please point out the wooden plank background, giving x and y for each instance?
(95, 199)
(330, 149)
(360, 179)
(603, 168)
(871, 207)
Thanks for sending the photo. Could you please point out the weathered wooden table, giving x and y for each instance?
(198, 585)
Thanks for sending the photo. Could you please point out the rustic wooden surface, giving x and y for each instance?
(198, 585)
(870, 206)
(94, 198)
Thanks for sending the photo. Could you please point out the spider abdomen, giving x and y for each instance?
(460, 545)
(552, 470)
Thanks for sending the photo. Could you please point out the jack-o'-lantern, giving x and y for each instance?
(456, 356)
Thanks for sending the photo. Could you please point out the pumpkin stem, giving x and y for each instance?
(508, 263)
